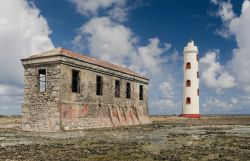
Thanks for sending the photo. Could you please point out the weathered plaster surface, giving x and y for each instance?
(60, 109)
(40, 109)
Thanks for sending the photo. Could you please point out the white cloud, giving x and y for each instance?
(23, 32)
(226, 14)
(240, 63)
(110, 40)
(223, 32)
(166, 103)
(91, 7)
(214, 74)
(10, 90)
(239, 27)
(166, 88)
(119, 13)
(215, 1)
(247, 89)
(175, 57)
(234, 100)
(116, 43)
(165, 106)
(238, 104)
(235, 72)
(148, 59)
(10, 105)
(225, 10)
(244, 101)
(106, 39)
(117, 10)
(213, 104)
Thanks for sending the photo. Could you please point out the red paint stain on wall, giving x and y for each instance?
(115, 114)
(84, 111)
(130, 114)
(74, 111)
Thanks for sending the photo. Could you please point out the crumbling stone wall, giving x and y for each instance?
(40, 109)
(100, 111)
(60, 109)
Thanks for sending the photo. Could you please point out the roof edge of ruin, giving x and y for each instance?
(60, 51)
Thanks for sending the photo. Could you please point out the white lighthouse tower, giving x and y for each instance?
(191, 82)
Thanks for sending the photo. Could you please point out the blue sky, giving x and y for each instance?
(167, 20)
(147, 36)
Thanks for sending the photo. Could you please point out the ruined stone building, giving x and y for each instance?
(64, 90)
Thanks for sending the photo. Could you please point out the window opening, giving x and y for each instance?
(99, 85)
(188, 83)
(42, 80)
(128, 90)
(117, 88)
(188, 65)
(188, 100)
(75, 81)
(141, 92)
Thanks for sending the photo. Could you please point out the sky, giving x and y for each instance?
(146, 36)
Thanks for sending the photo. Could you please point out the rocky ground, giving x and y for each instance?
(167, 138)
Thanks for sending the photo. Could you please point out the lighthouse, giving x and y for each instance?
(190, 107)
